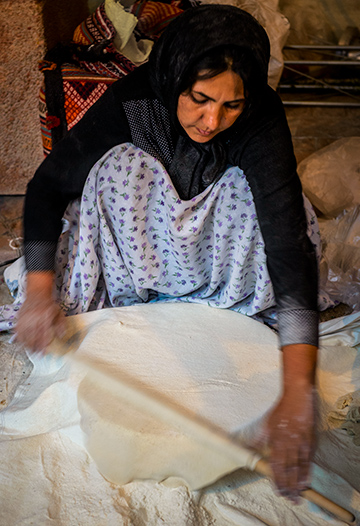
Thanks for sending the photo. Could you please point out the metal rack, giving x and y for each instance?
(342, 56)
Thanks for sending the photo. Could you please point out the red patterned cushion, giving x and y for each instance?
(74, 83)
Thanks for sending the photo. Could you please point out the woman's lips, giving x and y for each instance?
(204, 133)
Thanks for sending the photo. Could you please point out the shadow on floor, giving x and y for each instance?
(11, 236)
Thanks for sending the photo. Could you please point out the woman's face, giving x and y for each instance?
(211, 106)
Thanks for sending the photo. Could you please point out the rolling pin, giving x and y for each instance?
(138, 395)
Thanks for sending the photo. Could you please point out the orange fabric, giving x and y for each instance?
(153, 17)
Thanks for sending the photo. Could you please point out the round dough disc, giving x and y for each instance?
(218, 364)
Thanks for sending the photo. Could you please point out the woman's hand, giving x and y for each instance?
(290, 429)
(40, 317)
(290, 434)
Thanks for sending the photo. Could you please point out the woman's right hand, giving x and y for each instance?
(40, 318)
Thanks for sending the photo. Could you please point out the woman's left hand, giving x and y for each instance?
(290, 435)
(289, 432)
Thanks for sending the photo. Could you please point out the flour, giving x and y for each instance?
(47, 475)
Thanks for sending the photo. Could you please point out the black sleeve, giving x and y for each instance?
(62, 175)
(265, 154)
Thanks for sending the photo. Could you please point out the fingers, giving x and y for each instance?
(35, 333)
(291, 444)
(38, 324)
(285, 466)
(260, 440)
(305, 454)
(60, 326)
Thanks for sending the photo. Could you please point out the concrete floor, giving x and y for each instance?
(11, 212)
(312, 128)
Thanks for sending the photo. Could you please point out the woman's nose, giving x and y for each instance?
(212, 118)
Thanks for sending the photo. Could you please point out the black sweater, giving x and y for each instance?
(259, 143)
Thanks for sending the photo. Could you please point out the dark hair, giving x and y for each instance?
(237, 59)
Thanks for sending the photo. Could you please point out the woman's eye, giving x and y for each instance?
(236, 106)
(196, 100)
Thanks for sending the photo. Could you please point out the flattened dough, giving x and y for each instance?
(219, 364)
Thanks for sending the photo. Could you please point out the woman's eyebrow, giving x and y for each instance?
(240, 99)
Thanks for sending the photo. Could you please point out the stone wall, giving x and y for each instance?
(27, 29)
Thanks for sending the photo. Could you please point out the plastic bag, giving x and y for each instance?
(331, 176)
(320, 21)
(309, 25)
(275, 24)
(340, 265)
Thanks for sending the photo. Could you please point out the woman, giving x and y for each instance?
(194, 172)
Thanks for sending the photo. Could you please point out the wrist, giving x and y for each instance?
(297, 391)
(299, 368)
(40, 283)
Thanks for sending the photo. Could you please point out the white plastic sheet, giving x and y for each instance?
(340, 265)
(275, 24)
(331, 176)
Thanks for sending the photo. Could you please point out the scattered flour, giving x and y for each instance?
(47, 475)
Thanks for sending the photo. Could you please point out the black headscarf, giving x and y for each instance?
(189, 38)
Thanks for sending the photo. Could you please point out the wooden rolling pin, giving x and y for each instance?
(138, 395)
